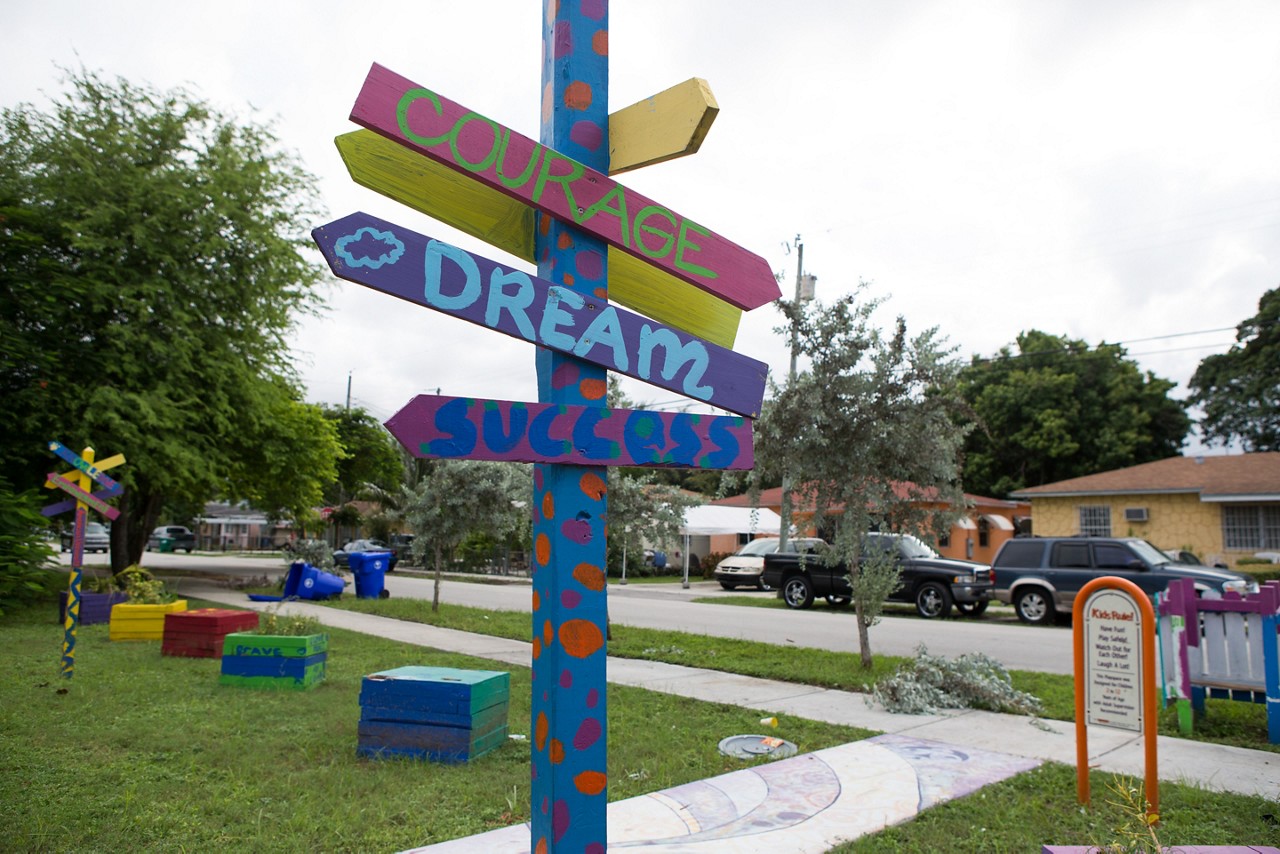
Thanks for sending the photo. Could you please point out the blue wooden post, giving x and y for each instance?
(569, 696)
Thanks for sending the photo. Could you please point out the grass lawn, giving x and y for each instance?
(144, 752)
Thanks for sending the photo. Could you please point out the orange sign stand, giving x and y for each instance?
(1105, 681)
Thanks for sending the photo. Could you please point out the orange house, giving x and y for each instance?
(976, 535)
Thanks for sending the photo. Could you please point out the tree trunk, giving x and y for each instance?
(435, 597)
(131, 529)
(864, 637)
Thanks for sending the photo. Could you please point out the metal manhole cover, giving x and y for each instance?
(755, 746)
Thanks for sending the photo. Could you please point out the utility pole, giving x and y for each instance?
(804, 293)
(793, 373)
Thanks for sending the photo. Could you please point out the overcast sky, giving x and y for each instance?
(1107, 171)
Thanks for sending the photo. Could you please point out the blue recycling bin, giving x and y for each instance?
(304, 581)
(370, 571)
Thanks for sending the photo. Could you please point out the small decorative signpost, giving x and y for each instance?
(86, 473)
(1114, 629)
(593, 239)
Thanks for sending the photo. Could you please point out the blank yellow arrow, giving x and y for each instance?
(668, 125)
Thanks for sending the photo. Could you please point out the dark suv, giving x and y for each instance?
(1040, 576)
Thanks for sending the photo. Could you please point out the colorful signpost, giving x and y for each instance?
(86, 473)
(593, 239)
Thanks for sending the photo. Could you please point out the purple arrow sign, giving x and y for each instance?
(502, 159)
(475, 429)
(414, 267)
(84, 497)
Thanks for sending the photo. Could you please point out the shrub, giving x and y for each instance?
(970, 681)
(24, 551)
(711, 561)
(143, 587)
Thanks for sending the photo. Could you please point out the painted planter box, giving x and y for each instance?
(434, 713)
(202, 633)
(131, 621)
(288, 662)
(94, 607)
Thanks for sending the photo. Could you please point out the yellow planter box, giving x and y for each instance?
(141, 622)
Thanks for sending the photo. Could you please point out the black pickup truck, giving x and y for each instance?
(933, 583)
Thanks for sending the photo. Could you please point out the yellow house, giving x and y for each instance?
(1222, 508)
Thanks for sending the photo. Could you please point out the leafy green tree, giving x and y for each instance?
(370, 459)
(153, 258)
(459, 497)
(867, 434)
(643, 513)
(1057, 409)
(24, 552)
(1239, 390)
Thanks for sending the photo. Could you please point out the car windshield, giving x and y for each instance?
(95, 528)
(911, 547)
(1149, 553)
(756, 548)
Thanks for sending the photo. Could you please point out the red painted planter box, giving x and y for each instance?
(201, 633)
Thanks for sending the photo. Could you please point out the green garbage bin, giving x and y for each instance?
(164, 544)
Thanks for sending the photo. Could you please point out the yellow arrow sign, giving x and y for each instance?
(502, 221)
(668, 125)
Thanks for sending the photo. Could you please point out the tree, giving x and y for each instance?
(370, 454)
(867, 433)
(151, 265)
(458, 497)
(643, 513)
(1056, 409)
(1239, 390)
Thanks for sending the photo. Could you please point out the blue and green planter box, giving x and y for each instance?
(133, 621)
(434, 713)
(281, 662)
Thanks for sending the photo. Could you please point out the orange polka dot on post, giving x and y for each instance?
(591, 782)
(542, 845)
(565, 240)
(542, 550)
(540, 728)
(537, 648)
(556, 752)
(548, 506)
(580, 638)
(589, 576)
(594, 389)
(537, 601)
(600, 42)
(548, 634)
(593, 486)
(577, 95)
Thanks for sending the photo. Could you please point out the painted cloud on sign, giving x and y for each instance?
(370, 248)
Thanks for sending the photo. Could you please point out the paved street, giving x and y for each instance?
(670, 606)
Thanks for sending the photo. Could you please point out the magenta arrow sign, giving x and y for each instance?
(384, 256)
(476, 429)
(467, 142)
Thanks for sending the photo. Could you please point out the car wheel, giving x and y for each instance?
(797, 592)
(972, 609)
(838, 601)
(728, 586)
(1034, 605)
(933, 601)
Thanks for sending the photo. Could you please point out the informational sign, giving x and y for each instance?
(392, 259)
(1113, 647)
(510, 431)
(448, 132)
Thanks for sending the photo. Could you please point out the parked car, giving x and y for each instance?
(746, 564)
(342, 557)
(401, 546)
(172, 538)
(933, 583)
(1040, 576)
(96, 538)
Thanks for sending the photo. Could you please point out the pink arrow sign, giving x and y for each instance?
(476, 429)
(467, 142)
(83, 497)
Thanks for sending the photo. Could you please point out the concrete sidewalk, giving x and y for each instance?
(809, 803)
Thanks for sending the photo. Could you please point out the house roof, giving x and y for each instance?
(773, 498)
(1233, 477)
